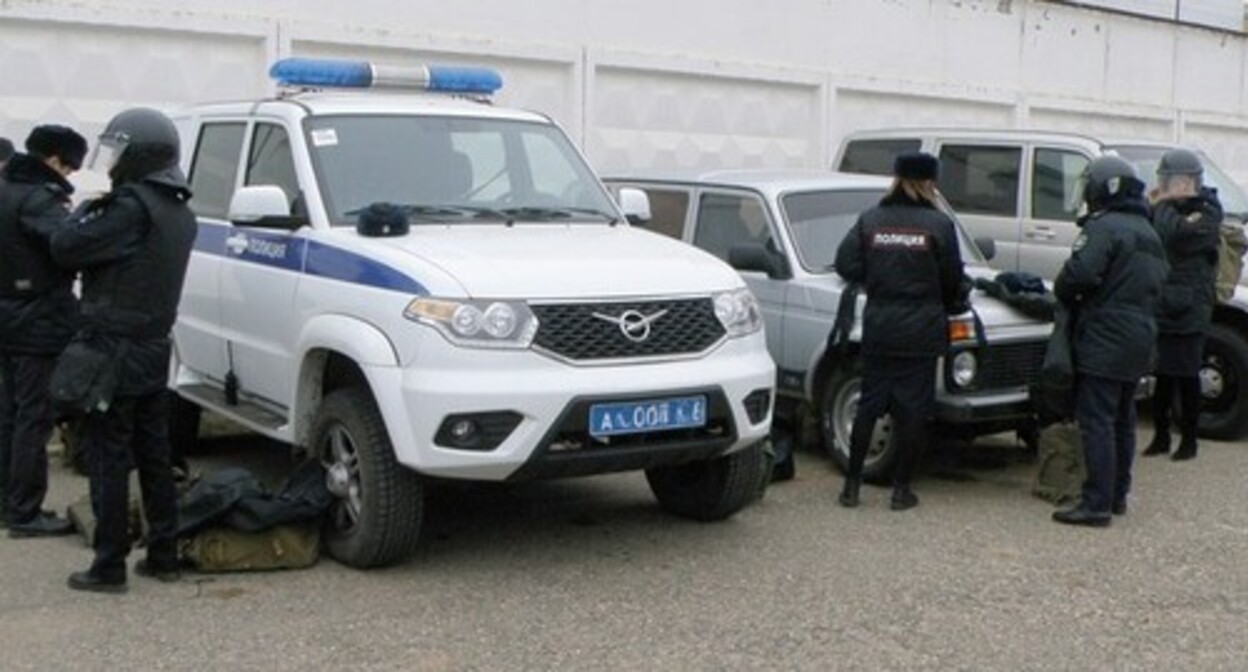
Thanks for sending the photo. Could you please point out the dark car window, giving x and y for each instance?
(875, 157)
(215, 167)
(669, 208)
(981, 179)
(725, 220)
(271, 162)
(819, 221)
(1055, 173)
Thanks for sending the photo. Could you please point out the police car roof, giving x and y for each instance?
(374, 102)
(769, 180)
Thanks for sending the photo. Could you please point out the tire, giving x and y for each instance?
(837, 407)
(184, 419)
(710, 490)
(1224, 383)
(379, 504)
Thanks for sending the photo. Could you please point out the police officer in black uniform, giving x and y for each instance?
(132, 246)
(905, 254)
(38, 314)
(1188, 217)
(1111, 283)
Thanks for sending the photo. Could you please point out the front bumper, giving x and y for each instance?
(551, 399)
(998, 406)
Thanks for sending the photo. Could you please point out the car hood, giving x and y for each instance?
(1001, 320)
(554, 261)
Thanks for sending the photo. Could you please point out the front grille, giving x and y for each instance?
(571, 330)
(1010, 365)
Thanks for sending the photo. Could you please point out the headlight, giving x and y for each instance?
(738, 311)
(477, 324)
(965, 367)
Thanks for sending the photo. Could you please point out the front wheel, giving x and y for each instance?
(714, 489)
(1224, 385)
(837, 410)
(378, 504)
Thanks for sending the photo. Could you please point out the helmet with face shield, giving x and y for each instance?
(1180, 170)
(136, 127)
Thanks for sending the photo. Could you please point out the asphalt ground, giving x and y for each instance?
(588, 574)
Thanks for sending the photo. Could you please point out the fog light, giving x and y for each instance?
(476, 431)
(463, 430)
(964, 368)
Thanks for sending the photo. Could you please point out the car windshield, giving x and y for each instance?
(453, 170)
(1145, 159)
(819, 220)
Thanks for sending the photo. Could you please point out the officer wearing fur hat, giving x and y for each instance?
(904, 252)
(1111, 284)
(38, 313)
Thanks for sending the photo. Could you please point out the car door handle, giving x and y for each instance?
(236, 243)
(1041, 233)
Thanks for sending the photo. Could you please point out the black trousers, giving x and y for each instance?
(1105, 411)
(904, 387)
(25, 428)
(134, 432)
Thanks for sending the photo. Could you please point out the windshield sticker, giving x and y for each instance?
(324, 137)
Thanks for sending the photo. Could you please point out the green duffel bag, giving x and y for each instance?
(1061, 472)
(223, 549)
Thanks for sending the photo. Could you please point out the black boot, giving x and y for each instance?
(89, 581)
(849, 492)
(1163, 400)
(1082, 516)
(1189, 421)
(903, 498)
(1160, 444)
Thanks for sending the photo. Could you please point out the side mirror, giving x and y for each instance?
(987, 247)
(265, 206)
(756, 257)
(636, 205)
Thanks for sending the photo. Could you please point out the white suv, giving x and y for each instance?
(520, 329)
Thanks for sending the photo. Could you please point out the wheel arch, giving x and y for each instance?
(823, 363)
(1233, 317)
(335, 351)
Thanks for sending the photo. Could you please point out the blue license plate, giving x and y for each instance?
(655, 415)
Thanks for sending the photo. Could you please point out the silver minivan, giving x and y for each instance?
(1018, 188)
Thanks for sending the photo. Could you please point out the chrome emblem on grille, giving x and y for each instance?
(632, 323)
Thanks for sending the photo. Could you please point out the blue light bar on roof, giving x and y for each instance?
(363, 75)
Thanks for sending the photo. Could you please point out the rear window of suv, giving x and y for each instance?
(875, 157)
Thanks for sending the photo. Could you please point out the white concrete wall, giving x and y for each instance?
(650, 82)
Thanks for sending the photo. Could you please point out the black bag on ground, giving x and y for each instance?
(85, 376)
(236, 499)
(228, 522)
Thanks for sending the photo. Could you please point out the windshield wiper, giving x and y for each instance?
(546, 214)
(427, 213)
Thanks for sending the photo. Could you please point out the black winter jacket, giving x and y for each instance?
(1112, 283)
(38, 310)
(1189, 230)
(133, 246)
(905, 254)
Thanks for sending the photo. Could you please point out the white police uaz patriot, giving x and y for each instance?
(414, 283)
